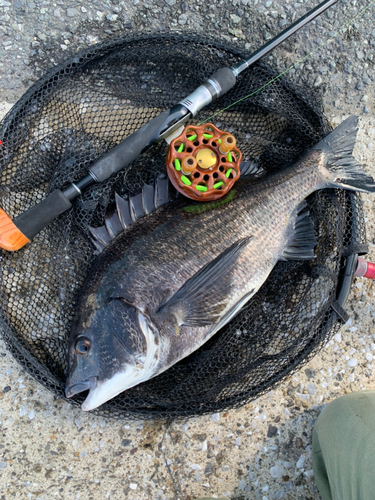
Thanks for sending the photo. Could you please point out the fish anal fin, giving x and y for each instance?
(301, 236)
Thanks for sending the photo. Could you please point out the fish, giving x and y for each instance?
(166, 284)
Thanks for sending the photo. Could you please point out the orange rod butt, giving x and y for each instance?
(11, 237)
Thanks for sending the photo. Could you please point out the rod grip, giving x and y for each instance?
(129, 149)
(15, 234)
(225, 78)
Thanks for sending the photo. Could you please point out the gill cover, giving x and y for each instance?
(115, 345)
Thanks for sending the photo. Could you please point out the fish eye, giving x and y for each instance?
(82, 346)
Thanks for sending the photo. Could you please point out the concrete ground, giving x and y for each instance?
(49, 449)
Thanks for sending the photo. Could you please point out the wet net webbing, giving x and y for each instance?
(84, 107)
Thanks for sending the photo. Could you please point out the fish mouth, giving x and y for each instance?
(86, 385)
(110, 388)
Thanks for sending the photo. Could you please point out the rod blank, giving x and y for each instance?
(269, 46)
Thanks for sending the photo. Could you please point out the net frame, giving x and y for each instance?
(50, 138)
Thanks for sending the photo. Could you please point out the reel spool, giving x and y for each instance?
(203, 162)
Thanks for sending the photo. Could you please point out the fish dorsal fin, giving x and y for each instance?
(130, 210)
(302, 236)
(113, 224)
(123, 211)
(203, 298)
(100, 237)
(162, 191)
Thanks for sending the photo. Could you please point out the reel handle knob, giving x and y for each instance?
(188, 165)
(228, 142)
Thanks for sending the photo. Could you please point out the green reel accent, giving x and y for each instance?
(207, 136)
(210, 205)
(218, 184)
(229, 157)
(192, 137)
(185, 180)
(177, 164)
(201, 188)
(227, 173)
(181, 148)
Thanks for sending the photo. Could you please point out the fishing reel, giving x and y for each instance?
(203, 162)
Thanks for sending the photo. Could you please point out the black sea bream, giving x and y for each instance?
(169, 282)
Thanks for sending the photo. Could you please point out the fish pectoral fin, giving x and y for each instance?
(232, 313)
(302, 237)
(203, 298)
(249, 170)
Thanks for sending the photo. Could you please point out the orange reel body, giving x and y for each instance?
(203, 162)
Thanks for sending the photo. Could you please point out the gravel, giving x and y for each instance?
(276, 472)
(301, 462)
(35, 35)
(262, 450)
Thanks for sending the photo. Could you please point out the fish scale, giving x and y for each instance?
(171, 280)
(254, 211)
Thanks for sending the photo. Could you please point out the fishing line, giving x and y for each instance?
(351, 21)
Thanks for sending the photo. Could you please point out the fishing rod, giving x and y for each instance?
(14, 234)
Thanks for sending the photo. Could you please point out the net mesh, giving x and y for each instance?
(83, 108)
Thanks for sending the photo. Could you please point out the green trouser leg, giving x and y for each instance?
(344, 448)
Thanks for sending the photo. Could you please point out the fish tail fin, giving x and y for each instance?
(344, 171)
